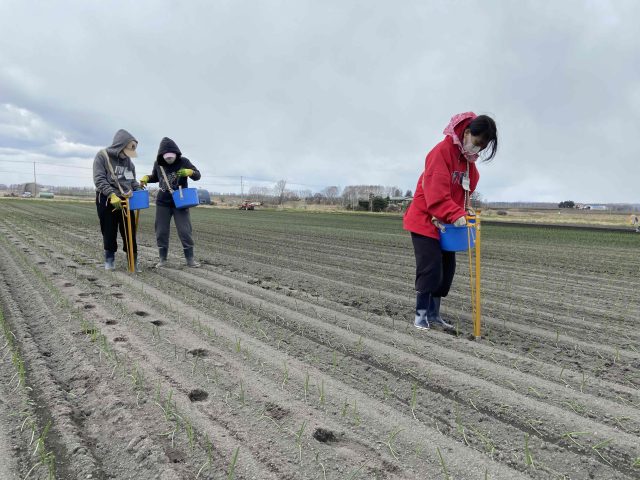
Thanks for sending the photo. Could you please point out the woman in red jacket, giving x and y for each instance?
(442, 195)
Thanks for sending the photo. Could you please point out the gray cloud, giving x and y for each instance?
(329, 93)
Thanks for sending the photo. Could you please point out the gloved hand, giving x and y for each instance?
(471, 211)
(115, 201)
(144, 180)
(461, 222)
(184, 172)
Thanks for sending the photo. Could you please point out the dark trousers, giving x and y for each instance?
(111, 222)
(435, 268)
(182, 220)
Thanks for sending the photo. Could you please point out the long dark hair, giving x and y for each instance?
(484, 127)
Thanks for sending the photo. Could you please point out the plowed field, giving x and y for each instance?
(291, 353)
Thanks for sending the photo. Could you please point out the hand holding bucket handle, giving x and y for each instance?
(438, 224)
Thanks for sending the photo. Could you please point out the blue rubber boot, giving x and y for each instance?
(422, 303)
(109, 260)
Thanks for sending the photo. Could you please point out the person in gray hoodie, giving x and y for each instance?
(114, 176)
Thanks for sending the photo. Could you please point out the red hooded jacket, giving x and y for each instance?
(439, 192)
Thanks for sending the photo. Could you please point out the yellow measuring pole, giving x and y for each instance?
(474, 273)
(126, 217)
(476, 319)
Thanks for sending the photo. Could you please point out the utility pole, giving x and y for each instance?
(35, 184)
(241, 190)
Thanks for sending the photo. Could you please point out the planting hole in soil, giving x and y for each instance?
(68, 284)
(88, 306)
(323, 435)
(111, 322)
(198, 395)
(157, 323)
(118, 295)
(141, 313)
(275, 411)
(120, 339)
(198, 352)
(91, 279)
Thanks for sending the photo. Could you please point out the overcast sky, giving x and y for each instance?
(326, 92)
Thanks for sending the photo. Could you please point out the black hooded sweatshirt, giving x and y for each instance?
(165, 198)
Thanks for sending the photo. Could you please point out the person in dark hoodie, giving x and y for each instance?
(114, 176)
(170, 166)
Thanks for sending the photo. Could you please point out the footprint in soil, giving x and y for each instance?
(120, 339)
(198, 395)
(141, 313)
(324, 436)
(157, 323)
(275, 411)
(352, 303)
(198, 352)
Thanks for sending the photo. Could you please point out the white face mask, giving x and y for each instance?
(469, 150)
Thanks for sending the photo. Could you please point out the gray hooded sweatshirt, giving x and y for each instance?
(123, 168)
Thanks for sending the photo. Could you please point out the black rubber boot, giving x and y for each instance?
(433, 314)
(191, 261)
(162, 254)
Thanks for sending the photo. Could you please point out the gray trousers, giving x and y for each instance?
(182, 220)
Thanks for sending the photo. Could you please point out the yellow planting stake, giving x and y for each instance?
(475, 285)
(126, 217)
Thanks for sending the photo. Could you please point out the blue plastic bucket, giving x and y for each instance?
(186, 197)
(456, 239)
(139, 200)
